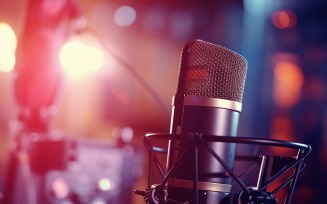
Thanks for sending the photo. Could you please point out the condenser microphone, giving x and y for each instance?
(207, 101)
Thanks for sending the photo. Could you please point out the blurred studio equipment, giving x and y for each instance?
(205, 161)
(45, 166)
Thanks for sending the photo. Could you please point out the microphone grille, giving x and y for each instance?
(210, 70)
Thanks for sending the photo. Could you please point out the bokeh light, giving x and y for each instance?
(8, 43)
(282, 128)
(284, 19)
(60, 188)
(99, 201)
(79, 59)
(104, 184)
(125, 16)
(288, 82)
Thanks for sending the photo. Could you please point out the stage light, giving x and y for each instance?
(125, 16)
(79, 59)
(8, 43)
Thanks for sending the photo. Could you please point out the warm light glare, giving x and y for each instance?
(125, 16)
(284, 19)
(288, 82)
(8, 43)
(79, 59)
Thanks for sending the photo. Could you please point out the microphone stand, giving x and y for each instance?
(157, 194)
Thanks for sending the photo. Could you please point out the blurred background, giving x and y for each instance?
(102, 74)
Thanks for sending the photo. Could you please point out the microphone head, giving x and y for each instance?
(212, 71)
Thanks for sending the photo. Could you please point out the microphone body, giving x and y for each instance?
(197, 108)
(214, 182)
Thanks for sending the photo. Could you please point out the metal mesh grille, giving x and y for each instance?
(212, 71)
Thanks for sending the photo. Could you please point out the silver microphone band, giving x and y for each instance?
(205, 186)
(211, 102)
